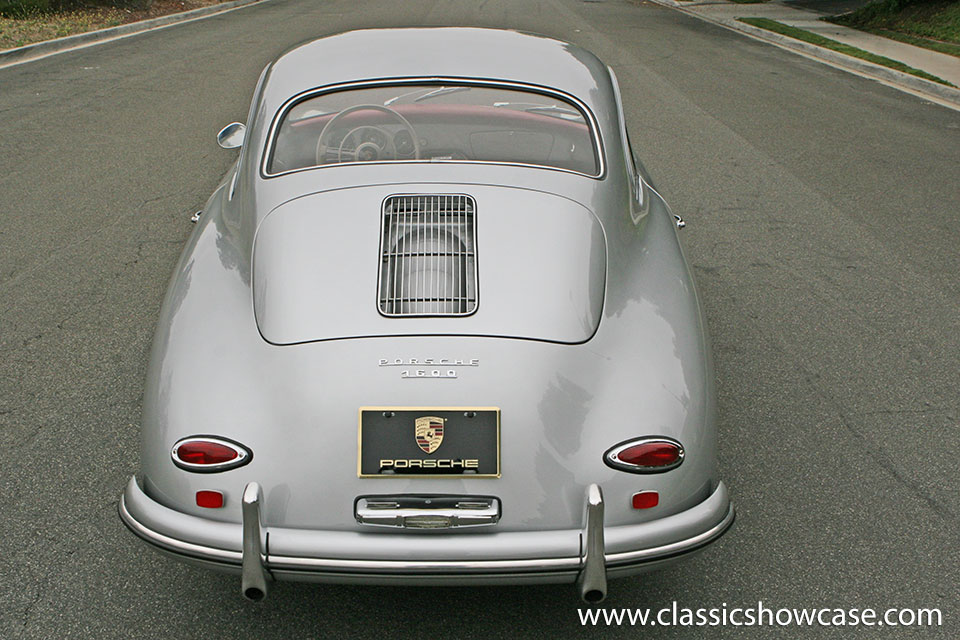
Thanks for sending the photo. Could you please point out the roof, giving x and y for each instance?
(434, 53)
(446, 52)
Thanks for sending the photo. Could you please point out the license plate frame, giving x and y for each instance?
(401, 437)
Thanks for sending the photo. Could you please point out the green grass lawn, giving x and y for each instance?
(934, 24)
(813, 38)
(30, 24)
(35, 27)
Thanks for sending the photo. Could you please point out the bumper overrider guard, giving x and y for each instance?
(587, 556)
(253, 574)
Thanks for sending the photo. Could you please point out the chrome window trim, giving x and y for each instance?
(610, 457)
(244, 455)
(598, 146)
(251, 118)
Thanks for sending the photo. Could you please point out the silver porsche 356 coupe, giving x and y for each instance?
(434, 327)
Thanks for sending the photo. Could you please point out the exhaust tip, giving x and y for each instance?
(253, 575)
(592, 581)
(254, 594)
(593, 596)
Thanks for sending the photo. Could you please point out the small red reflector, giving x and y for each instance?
(209, 499)
(646, 499)
(651, 454)
(205, 452)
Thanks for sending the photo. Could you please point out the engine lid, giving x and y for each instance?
(522, 263)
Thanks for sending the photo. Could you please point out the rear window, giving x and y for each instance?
(435, 123)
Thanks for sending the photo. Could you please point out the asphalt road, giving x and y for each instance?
(822, 211)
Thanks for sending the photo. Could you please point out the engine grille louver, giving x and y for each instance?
(428, 256)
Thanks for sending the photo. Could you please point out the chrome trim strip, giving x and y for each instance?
(424, 566)
(675, 548)
(613, 560)
(524, 165)
(335, 565)
(175, 545)
(598, 146)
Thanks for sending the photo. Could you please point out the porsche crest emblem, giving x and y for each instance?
(429, 432)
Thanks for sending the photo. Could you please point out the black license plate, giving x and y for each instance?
(429, 441)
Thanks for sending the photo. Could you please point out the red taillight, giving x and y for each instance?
(205, 452)
(645, 455)
(651, 454)
(645, 499)
(208, 453)
(209, 499)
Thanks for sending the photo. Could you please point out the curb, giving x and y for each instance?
(898, 79)
(49, 47)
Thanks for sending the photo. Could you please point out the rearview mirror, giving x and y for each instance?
(231, 136)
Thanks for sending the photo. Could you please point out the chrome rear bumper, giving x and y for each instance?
(586, 555)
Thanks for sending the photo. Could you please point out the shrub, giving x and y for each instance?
(23, 8)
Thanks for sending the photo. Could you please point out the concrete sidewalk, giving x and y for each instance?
(941, 65)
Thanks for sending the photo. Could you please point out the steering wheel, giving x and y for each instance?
(369, 142)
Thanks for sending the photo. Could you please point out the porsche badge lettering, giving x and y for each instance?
(429, 433)
(424, 368)
(429, 362)
(428, 373)
(443, 463)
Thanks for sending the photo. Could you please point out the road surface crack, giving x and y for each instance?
(80, 241)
